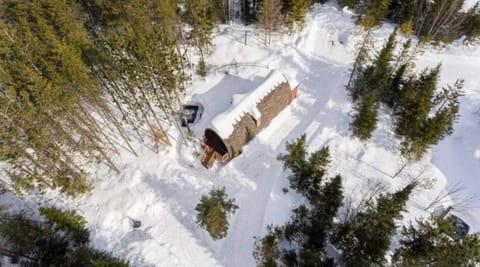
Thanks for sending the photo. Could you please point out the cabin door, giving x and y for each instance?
(208, 157)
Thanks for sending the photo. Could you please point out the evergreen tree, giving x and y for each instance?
(369, 86)
(213, 211)
(423, 118)
(309, 227)
(60, 239)
(295, 12)
(307, 170)
(365, 238)
(435, 243)
(373, 12)
(266, 249)
(358, 66)
(471, 24)
(365, 118)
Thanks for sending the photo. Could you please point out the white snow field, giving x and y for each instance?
(161, 190)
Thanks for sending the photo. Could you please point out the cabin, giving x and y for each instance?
(231, 130)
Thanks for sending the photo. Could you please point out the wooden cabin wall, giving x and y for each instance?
(244, 131)
(274, 103)
(269, 107)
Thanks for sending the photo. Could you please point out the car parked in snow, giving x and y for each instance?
(192, 113)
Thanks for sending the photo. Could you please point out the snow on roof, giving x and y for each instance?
(223, 123)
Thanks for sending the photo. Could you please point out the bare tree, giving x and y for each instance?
(454, 196)
(270, 17)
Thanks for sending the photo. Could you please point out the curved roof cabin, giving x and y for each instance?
(247, 116)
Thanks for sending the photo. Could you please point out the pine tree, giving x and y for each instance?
(365, 238)
(358, 66)
(374, 11)
(365, 119)
(60, 239)
(310, 225)
(369, 86)
(213, 211)
(295, 12)
(434, 242)
(307, 170)
(471, 24)
(266, 249)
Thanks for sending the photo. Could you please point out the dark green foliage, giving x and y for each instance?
(365, 237)
(67, 221)
(249, 10)
(349, 3)
(266, 249)
(307, 170)
(471, 24)
(401, 10)
(422, 117)
(63, 63)
(365, 117)
(308, 229)
(60, 240)
(213, 211)
(295, 12)
(369, 85)
(413, 112)
(202, 68)
(434, 243)
(373, 12)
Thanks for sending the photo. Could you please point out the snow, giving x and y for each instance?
(161, 190)
(224, 123)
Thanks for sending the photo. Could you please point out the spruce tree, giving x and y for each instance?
(295, 12)
(434, 242)
(307, 169)
(373, 12)
(471, 24)
(59, 239)
(266, 250)
(369, 86)
(365, 238)
(310, 225)
(365, 117)
(213, 211)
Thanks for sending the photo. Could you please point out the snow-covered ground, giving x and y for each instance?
(162, 189)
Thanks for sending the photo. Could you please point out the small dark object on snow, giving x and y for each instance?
(136, 224)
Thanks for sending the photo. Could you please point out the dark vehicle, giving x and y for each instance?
(461, 227)
(192, 113)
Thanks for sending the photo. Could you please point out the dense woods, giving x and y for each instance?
(55, 238)
(437, 21)
(75, 73)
